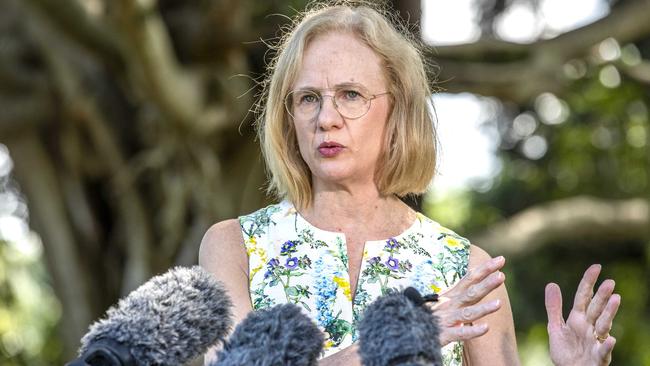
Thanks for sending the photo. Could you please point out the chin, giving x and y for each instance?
(335, 174)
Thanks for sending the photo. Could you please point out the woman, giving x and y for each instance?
(346, 131)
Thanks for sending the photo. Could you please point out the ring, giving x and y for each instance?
(599, 338)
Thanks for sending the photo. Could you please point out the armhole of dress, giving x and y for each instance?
(244, 238)
(466, 259)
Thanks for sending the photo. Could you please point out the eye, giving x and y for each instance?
(351, 94)
(307, 98)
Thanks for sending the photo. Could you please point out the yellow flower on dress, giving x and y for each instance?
(328, 344)
(345, 285)
(435, 288)
(251, 245)
(452, 242)
(252, 248)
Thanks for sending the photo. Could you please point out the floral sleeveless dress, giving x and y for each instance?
(291, 260)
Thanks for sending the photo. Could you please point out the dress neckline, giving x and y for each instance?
(291, 209)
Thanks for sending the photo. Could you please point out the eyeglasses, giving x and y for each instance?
(351, 102)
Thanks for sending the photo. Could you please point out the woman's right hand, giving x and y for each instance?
(460, 306)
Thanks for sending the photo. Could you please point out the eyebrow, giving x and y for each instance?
(337, 86)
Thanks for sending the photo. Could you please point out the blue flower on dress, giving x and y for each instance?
(273, 263)
(392, 263)
(325, 292)
(391, 244)
(373, 260)
(291, 263)
(289, 246)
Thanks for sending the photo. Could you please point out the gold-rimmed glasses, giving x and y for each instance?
(351, 101)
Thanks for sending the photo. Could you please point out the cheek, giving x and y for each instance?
(304, 138)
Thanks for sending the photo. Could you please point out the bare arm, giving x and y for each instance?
(498, 346)
(223, 254)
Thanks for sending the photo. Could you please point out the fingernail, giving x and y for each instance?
(496, 303)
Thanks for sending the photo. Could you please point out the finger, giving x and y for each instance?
(475, 312)
(599, 301)
(604, 322)
(477, 274)
(463, 333)
(586, 288)
(553, 303)
(478, 291)
(605, 349)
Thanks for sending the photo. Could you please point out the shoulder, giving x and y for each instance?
(222, 239)
(447, 237)
(477, 256)
(226, 231)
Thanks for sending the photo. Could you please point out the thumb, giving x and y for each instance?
(553, 302)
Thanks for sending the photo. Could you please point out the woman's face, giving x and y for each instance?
(337, 149)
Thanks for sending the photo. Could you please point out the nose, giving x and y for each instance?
(328, 117)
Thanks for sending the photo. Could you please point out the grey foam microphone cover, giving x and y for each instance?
(169, 320)
(394, 330)
(281, 335)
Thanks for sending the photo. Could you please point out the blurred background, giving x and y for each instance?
(126, 131)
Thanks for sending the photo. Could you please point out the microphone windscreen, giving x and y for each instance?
(169, 320)
(280, 335)
(414, 295)
(395, 331)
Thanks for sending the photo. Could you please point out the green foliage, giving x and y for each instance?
(600, 146)
(29, 311)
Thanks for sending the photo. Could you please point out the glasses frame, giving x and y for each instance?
(321, 96)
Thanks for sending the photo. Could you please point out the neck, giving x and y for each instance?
(338, 208)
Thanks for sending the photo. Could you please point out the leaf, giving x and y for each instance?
(292, 291)
(304, 304)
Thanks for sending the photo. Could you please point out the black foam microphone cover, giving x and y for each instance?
(278, 336)
(169, 320)
(397, 330)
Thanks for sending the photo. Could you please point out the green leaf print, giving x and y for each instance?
(412, 242)
(256, 223)
(307, 236)
(338, 329)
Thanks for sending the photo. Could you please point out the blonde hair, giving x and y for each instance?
(408, 159)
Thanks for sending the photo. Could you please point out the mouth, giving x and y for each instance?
(329, 149)
(330, 144)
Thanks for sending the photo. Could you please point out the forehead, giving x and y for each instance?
(336, 58)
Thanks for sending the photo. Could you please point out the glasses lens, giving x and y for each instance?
(351, 103)
(303, 104)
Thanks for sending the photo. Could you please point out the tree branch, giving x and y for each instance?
(23, 112)
(128, 203)
(565, 220)
(519, 72)
(72, 20)
(176, 92)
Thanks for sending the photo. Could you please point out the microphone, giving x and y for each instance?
(169, 320)
(396, 330)
(280, 335)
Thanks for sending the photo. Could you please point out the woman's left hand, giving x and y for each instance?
(584, 338)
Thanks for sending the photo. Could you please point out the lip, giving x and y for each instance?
(329, 149)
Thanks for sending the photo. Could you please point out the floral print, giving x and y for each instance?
(291, 260)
